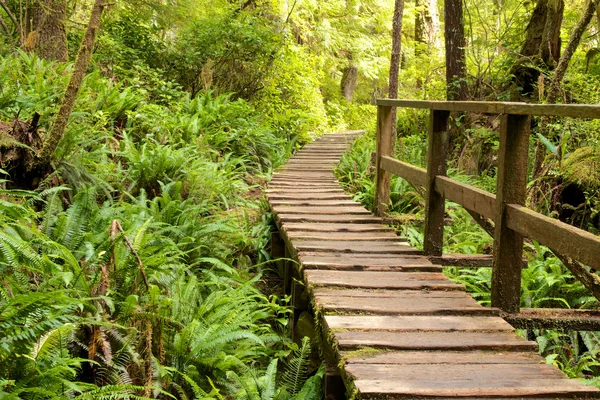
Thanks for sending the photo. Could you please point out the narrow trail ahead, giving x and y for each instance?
(393, 324)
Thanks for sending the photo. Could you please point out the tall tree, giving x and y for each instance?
(49, 36)
(456, 64)
(68, 102)
(349, 79)
(395, 59)
(541, 48)
(427, 22)
(565, 59)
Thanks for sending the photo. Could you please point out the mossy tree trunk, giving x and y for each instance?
(68, 102)
(49, 36)
(395, 58)
(349, 79)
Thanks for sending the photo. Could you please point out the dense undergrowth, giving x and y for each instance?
(545, 282)
(134, 270)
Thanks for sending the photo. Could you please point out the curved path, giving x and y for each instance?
(388, 319)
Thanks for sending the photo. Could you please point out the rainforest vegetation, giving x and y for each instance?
(136, 138)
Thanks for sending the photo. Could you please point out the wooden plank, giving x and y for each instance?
(417, 323)
(499, 341)
(437, 146)
(379, 236)
(338, 210)
(384, 295)
(491, 107)
(324, 203)
(381, 280)
(385, 146)
(302, 184)
(511, 189)
(566, 239)
(556, 318)
(468, 196)
(459, 372)
(424, 305)
(375, 257)
(296, 190)
(353, 246)
(336, 227)
(464, 260)
(475, 389)
(443, 357)
(348, 219)
(312, 176)
(307, 196)
(319, 259)
(414, 175)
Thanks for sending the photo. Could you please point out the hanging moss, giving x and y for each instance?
(583, 167)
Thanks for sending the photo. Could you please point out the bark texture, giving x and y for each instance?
(395, 58)
(81, 63)
(541, 48)
(565, 59)
(349, 79)
(454, 33)
(49, 37)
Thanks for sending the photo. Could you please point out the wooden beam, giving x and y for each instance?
(414, 175)
(566, 239)
(466, 260)
(555, 318)
(385, 146)
(494, 107)
(468, 196)
(511, 189)
(435, 206)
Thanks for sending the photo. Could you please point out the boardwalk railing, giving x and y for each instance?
(513, 221)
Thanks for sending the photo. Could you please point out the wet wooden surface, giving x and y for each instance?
(399, 328)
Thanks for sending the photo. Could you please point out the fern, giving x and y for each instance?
(297, 370)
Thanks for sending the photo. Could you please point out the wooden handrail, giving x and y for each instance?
(497, 107)
(513, 221)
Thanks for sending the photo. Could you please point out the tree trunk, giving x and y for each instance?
(565, 59)
(68, 101)
(395, 58)
(454, 33)
(427, 22)
(550, 46)
(557, 77)
(541, 48)
(49, 36)
(349, 79)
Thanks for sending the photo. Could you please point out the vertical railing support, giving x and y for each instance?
(511, 186)
(385, 146)
(437, 147)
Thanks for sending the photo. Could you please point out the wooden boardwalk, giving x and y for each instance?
(393, 324)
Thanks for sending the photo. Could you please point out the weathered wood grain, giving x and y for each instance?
(475, 389)
(443, 357)
(499, 341)
(398, 323)
(336, 227)
(422, 305)
(382, 280)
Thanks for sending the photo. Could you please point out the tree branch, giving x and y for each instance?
(13, 19)
(574, 39)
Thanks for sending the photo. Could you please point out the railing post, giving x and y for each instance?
(511, 186)
(437, 147)
(385, 146)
